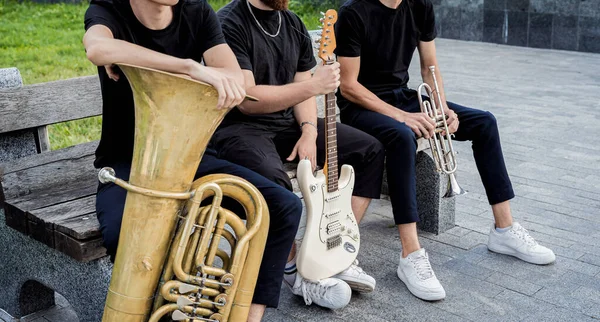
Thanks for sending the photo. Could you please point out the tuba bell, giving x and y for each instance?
(441, 142)
(164, 219)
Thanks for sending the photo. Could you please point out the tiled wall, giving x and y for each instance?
(558, 24)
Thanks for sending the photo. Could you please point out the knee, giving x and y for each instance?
(110, 236)
(285, 212)
(277, 175)
(402, 137)
(489, 122)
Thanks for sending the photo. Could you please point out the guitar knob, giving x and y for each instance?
(343, 228)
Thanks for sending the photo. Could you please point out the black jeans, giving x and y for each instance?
(400, 145)
(285, 210)
(263, 150)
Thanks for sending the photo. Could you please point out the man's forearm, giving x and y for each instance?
(306, 112)
(360, 95)
(278, 98)
(110, 51)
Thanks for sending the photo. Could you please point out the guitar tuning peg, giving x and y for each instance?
(317, 41)
(322, 13)
(322, 20)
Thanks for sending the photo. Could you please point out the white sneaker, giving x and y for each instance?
(357, 278)
(416, 272)
(331, 293)
(517, 242)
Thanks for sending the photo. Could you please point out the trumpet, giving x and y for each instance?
(441, 143)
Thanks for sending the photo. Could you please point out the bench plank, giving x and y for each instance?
(81, 227)
(49, 103)
(83, 251)
(42, 222)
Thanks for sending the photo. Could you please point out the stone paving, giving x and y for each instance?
(547, 104)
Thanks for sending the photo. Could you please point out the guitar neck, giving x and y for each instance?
(331, 143)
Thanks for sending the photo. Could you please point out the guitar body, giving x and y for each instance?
(331, 240)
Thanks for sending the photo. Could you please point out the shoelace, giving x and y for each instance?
(356, 268)
(310, 289)
(422, 266)
(523, 234)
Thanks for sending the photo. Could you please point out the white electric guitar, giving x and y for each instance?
(331, 240)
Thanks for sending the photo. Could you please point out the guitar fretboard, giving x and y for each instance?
(331, 143)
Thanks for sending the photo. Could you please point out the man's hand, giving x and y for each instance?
(420, 123)
(231, 92)
(306, 147)
(327, 78)
(452, 120)
(111, 72)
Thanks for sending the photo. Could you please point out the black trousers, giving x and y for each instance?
(285, 211)
(264, 149)
(400, 145)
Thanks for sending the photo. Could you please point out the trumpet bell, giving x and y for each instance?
(454, 188)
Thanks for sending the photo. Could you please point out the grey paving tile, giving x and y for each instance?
(590, 259)
(469, 269)
(512, 283)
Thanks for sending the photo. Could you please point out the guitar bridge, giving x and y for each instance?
(334, 241)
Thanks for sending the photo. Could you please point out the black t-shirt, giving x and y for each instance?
(384, 38)
(273, 60)
(194, 29)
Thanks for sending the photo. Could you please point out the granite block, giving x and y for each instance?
(436, 213)
(589, 34)
(540, 30)
(17, 144)
(517, 28)
(451, 24)
(471, 24)
(567, 7)
(494, 4)
(517, 5)
(472, 4)
(589, 8)
(543, 6)
(31, 263)
(10, 78)
(565, 32)
(494, 26)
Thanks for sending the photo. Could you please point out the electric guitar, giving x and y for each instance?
(331, 240)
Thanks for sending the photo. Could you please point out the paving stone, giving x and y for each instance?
(590, 259)
(514, 284)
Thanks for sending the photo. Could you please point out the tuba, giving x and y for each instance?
(441, 142)
(165, 221)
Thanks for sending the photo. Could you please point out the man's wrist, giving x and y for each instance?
(309, 127)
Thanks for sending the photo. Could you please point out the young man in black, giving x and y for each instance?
(275, 53)
(376, 40)
(175, 36)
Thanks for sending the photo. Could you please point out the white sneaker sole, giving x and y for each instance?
(426, 296)
(538, 260)
(357, 285)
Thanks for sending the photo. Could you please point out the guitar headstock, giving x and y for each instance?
(327, 42)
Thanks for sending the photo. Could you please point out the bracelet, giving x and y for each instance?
(308, 122)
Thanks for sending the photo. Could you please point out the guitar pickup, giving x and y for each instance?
(334, 213)
(333, 227)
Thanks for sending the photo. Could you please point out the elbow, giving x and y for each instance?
(244, 109)
(348, 88)
(94, 54)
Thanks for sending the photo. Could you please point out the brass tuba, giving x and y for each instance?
(175, 119)
(441, 143)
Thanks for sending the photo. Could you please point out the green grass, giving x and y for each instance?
(44, 42)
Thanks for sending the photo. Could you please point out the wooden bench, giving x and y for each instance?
(48, 228)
